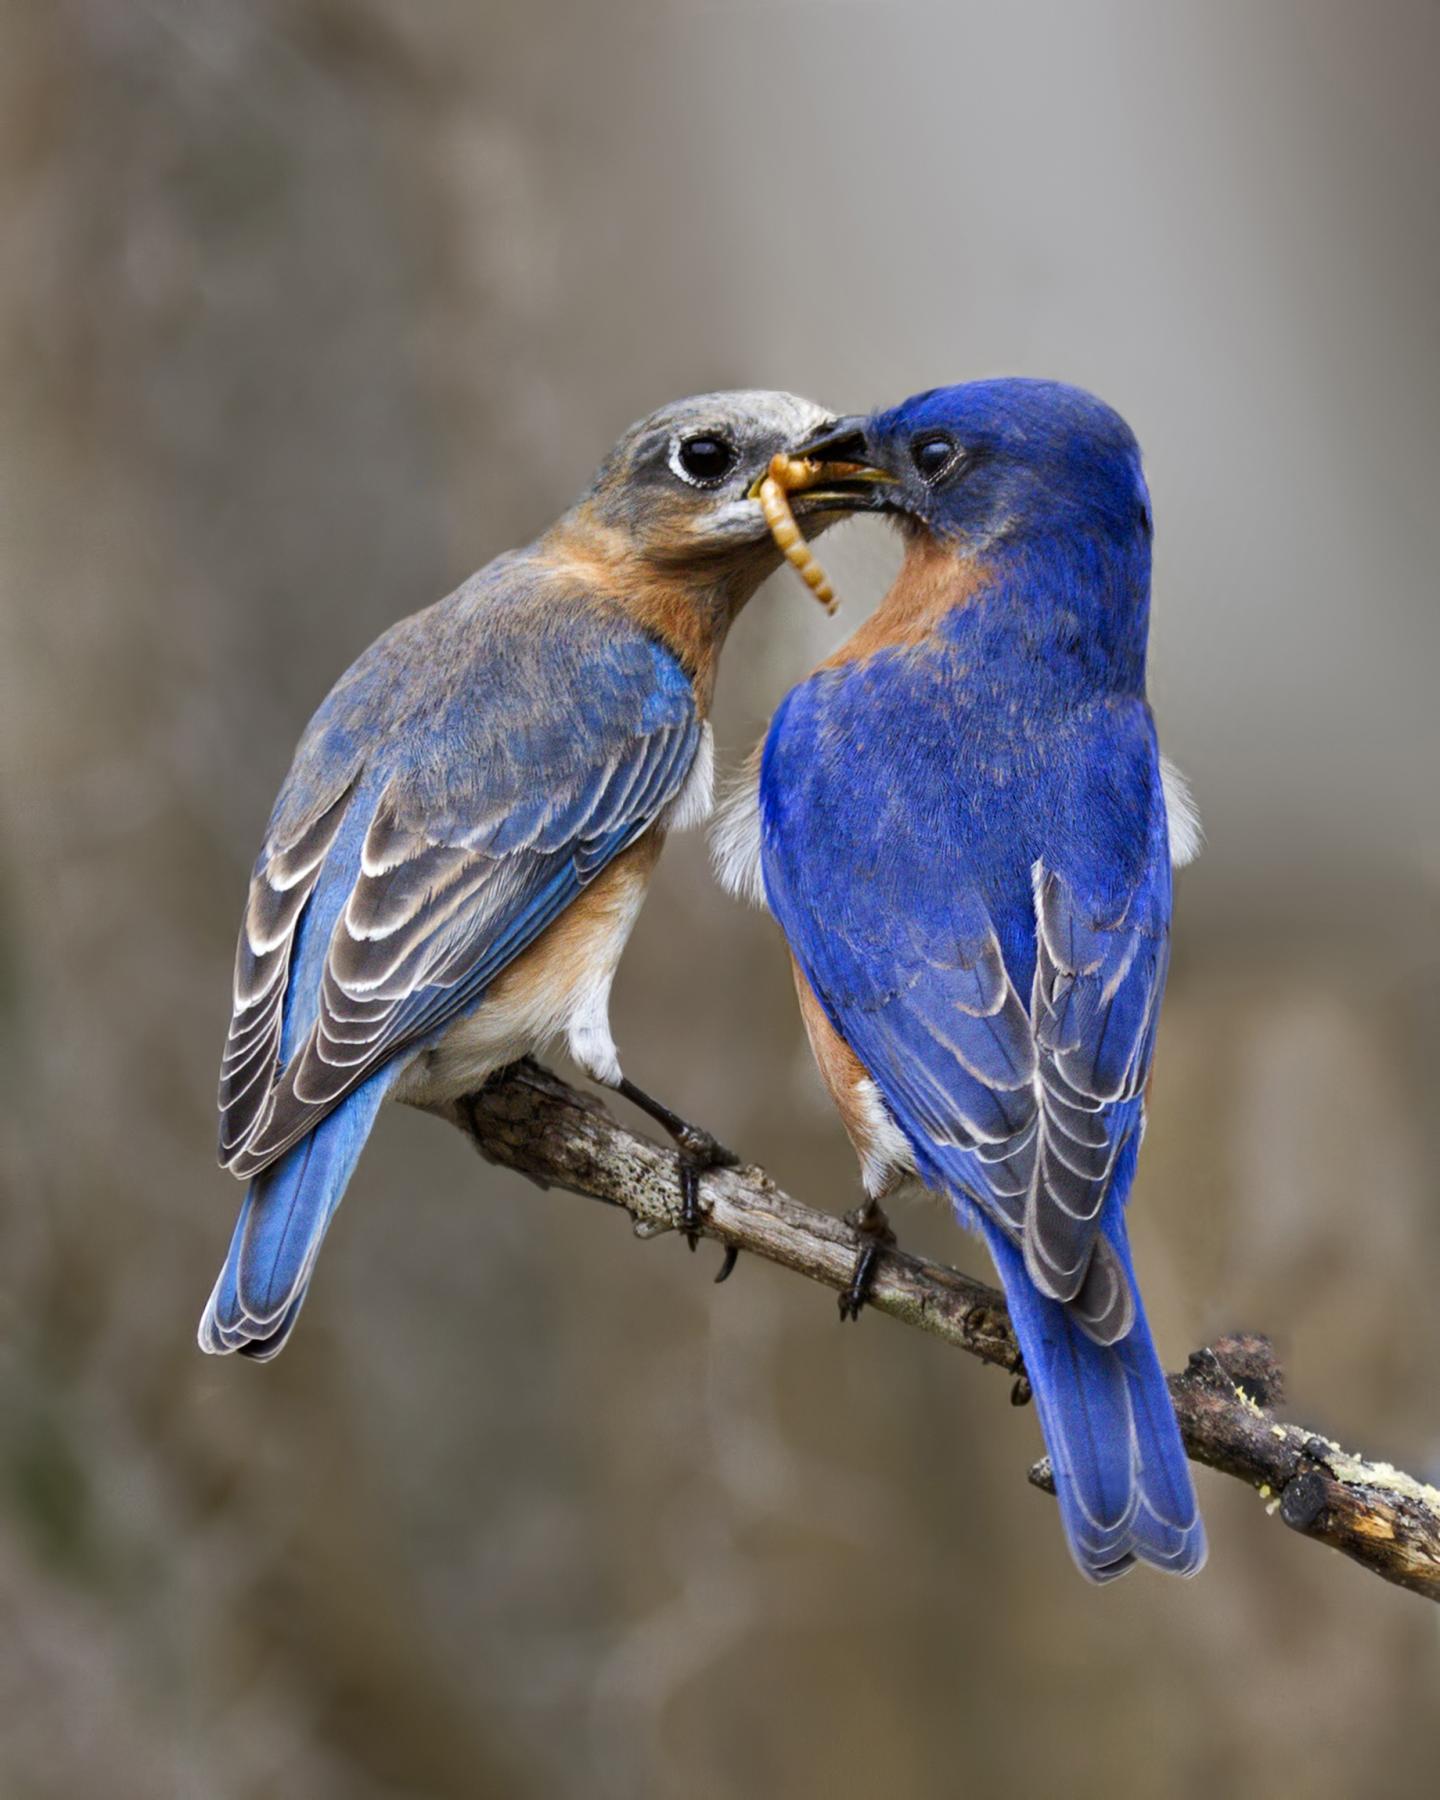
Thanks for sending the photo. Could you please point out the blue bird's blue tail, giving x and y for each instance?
(1121, 1476)
(286, 1212)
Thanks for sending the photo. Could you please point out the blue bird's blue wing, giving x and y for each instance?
(986, 928)
(995, 960)
(1099, 981)
(469, 776)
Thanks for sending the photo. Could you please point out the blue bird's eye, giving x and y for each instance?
(705, 459)
(934, 455)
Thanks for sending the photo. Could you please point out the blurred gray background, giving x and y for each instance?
(309, 307)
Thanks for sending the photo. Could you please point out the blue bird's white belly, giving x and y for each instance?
(558, 989)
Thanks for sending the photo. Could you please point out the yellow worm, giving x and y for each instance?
(788, 472)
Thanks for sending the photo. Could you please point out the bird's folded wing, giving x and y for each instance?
(1024, 1108)
(1099, 980)
(433, 839)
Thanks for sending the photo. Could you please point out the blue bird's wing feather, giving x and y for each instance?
(928, 875)
(462, 783)
(1096, 999)
(994, 952)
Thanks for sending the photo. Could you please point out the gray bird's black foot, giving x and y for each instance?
(876, 1237)
(699, 1152)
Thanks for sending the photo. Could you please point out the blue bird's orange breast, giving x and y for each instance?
(932, 585)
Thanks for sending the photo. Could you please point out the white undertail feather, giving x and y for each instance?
(1187, 836)
(888, 1157)
(587, 1020)
(735, 834)
(696, 800)
(587, 1029)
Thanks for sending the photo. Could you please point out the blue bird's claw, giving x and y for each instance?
(876, 1237)
(690, 1202)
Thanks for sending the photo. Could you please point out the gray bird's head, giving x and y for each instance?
(679, 485)
(673, 529)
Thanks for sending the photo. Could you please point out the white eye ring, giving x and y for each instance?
(678, 446)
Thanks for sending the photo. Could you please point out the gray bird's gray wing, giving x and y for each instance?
(468, 777)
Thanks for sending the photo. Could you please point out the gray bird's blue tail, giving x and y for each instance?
(1121, 1475)
(283, 1220)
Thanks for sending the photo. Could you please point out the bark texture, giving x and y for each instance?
(1225, 1398)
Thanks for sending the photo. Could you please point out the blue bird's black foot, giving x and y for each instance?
(876, 1237)
(699, 1151)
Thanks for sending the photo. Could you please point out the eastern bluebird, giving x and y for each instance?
(464, 839)
(965, 829)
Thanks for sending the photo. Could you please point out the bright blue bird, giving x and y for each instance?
(463, 842)
(965, 834)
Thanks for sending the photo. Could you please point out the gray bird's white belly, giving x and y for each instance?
(558, 989)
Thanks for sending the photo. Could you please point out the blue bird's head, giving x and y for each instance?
(995, 462)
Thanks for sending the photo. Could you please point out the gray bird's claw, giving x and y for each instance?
(703, 1150)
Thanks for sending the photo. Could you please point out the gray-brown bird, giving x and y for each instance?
(465, 837)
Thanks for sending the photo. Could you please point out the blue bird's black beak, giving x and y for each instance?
(841, 441)
(849, 474)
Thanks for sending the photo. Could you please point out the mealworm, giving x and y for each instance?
(787, 472)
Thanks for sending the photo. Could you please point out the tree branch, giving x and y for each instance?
(531, 1121)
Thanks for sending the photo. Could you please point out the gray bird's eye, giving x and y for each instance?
(934, 455)
(704, 460)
